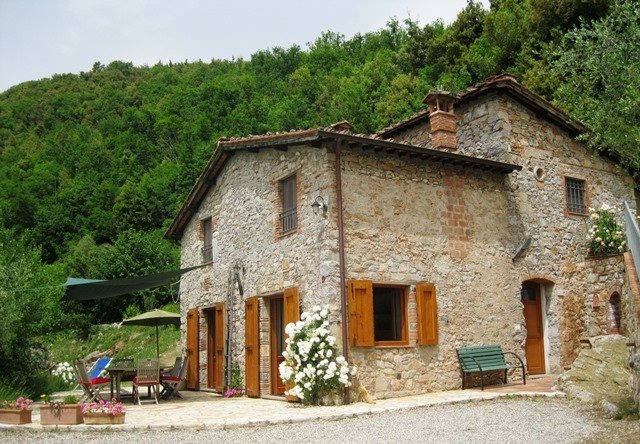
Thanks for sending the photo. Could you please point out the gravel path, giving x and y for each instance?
(508, 421)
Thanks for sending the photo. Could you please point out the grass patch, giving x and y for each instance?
(627, 409)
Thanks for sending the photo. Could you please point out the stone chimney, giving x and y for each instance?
(442, 119)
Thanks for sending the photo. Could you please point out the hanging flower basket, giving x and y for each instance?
(65, 414)
(11, 416)
(103, 418)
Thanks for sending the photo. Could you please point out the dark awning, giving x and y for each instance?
(84, 289)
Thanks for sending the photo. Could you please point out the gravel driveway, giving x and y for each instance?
(507, 420)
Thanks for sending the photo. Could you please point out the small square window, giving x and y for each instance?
(389, 314)
(575, 192)
(288, 198)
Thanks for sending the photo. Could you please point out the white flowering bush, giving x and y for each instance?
(64, 371)
(606, 235)
(312, 367)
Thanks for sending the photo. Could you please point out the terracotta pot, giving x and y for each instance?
(103, 418)
(15, 416)
(67, 414)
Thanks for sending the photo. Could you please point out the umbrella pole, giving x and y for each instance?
(157, 343)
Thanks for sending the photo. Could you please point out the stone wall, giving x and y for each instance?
(412, 221)
(244, 208)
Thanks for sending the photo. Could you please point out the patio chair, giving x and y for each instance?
(97, 369)
(148, 375)
(90, 386)
(171, 381)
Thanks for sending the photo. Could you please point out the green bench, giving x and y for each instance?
(486, 358)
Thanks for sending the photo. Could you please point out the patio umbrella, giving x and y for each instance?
(155, 317)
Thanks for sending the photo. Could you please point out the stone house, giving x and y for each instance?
(462, 225)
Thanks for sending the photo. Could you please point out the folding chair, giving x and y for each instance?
(148, 375)
(90, 386)
(172, 380)
(97, 369)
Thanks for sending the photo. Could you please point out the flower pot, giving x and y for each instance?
(8, 416)
(103, 418)
(66, 414)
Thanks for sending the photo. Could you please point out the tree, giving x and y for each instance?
(30, 307)
(599, 65)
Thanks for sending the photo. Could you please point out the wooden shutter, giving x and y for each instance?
(427, 310)
(219, 347)
(193, 377)
(361, 331)
(291, 305)
(252, 346)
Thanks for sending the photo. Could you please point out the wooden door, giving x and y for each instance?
(534, 345)
(219, 348)
(276, 328)
(252, 346)
(192, 350)
(211, 347)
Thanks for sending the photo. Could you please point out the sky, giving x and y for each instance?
(39, 38)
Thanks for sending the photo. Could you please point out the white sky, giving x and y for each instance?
(39, 38)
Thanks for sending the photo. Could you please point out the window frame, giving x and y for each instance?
(404, 341)
(293, 210)
(585, 202)
(206, 235)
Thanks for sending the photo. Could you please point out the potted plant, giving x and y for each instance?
(16, 412)
(65, 412)
(103, 412)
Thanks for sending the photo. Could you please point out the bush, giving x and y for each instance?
(312, 367)
(606, 235)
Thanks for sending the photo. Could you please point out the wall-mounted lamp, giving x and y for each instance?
(317, 204)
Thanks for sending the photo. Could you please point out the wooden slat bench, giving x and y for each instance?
(484, 358)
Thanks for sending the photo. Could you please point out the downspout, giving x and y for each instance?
(341, 260)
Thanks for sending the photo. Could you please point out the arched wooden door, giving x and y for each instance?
(193, 382)
(534, 345)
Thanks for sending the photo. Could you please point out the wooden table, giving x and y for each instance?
(116, 374)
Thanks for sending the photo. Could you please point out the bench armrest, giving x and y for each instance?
(517, 357)
(524, 375)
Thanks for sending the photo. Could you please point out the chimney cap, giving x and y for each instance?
(440, 95)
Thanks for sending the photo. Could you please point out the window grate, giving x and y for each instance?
(289, 220)
(575, 196)
(207, 253)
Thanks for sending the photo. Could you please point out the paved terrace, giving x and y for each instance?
(205, 410)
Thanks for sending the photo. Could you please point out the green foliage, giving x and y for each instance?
(237, 378)
(70, 399)
(600, 67)
(606, 235)
(30, 306)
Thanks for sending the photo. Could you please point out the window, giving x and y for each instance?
(289, 214)
(207, 235)
(575, 196)
(378, 314)
(389, 312)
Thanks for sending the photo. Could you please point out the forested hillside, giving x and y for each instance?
(94, 165)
